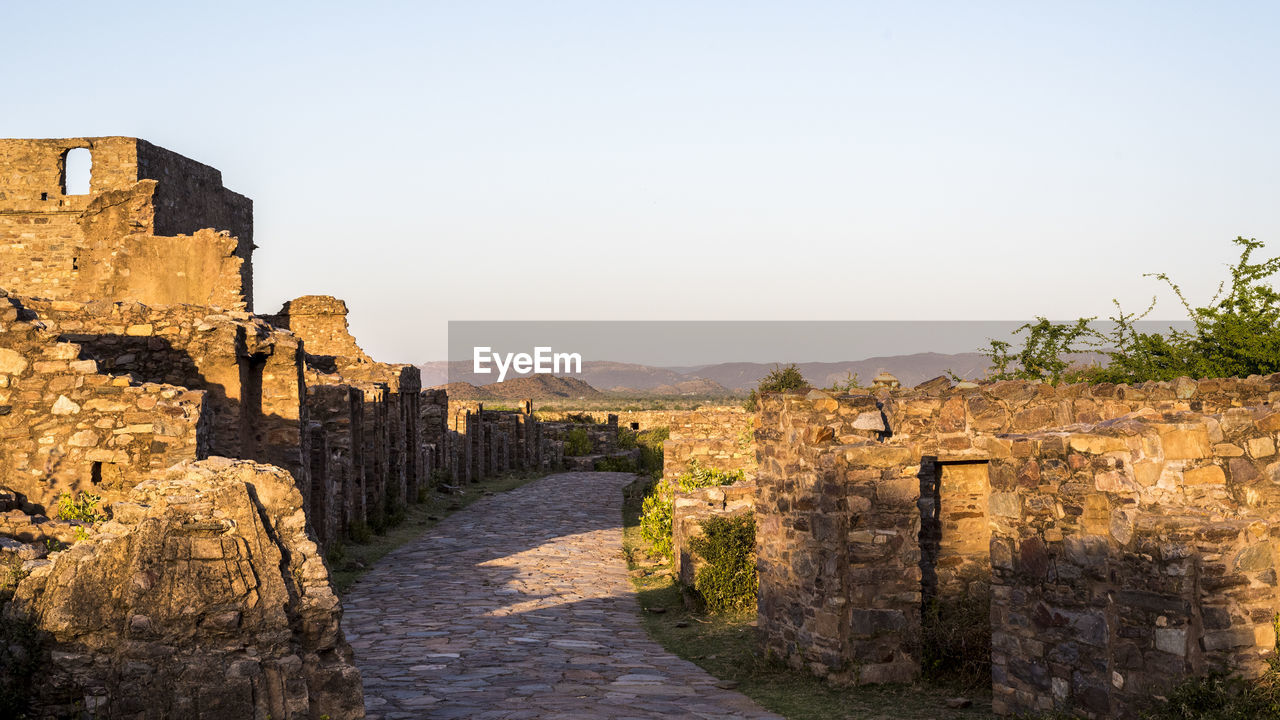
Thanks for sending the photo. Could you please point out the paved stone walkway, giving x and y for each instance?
(519, 607)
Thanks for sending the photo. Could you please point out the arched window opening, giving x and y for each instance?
(77, 168)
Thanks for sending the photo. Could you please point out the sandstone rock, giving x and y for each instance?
(65, 406)
(11, 362)
(228, 607)
(1261, 447)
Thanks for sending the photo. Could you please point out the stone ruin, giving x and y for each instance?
(1127, 536)
(492, 442)
(230, 447)
(1124, 535)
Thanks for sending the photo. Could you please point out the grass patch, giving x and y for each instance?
(725, 646)
(349, 561)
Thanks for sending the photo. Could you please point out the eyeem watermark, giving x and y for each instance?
(543, 361)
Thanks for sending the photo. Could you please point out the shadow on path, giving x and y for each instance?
(518, 607)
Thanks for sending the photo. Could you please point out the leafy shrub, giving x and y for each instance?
(778, 380)
(728, 579)
(626, 438)
(83, 508)
(580, 418)
(655, 512)
(651, 455)
(655, 519)
(616, 464)
(1235, 334)
(1046, 351)
(956, 639)
(577, 442)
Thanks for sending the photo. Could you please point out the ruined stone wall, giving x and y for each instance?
(1131, 554)
(337, 472)
(391, 436)
(155, 227)
(690, 509)
(251, 373)
(721, 453)
(388, 454)
(728, 421)
(202, 598)
(67, 427)
(491, 442)
(871, 504)
(433, 422)
(837, 540)
(321, 321)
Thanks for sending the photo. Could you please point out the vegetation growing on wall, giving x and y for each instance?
(655, 517)
(727, 582)
(651, 455)
(779, 379)
(577, 443)
(615, 464)
(1223, 697)
(1236, 334)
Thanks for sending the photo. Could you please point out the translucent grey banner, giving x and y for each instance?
(696, 357)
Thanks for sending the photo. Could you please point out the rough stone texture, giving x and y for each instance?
(202, 598)
(170, 208)
(484, 442)
(721, 453)
(437, 440)
(872, 503)
(703, 422)
(519, 606)
(719, 437)
(148, 277)
(321, 321)
(385, 460)
(251, 373)
(66, 427)
(837, 542)
(1145, 552)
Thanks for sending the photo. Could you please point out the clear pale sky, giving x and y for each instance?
(435, 161)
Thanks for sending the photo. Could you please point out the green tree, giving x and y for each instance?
(1236, 334)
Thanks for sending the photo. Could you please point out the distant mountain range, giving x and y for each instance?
(536, 387)
(721, 378)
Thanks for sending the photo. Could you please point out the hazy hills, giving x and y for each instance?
(721, 378)
(537, 387)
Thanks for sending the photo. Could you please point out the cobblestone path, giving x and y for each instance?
(519, 606)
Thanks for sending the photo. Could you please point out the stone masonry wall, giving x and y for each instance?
(485, 443)
(721, 453)
(1130, 554)
(204, 594)
(189, 239)
(859, 492)
(729, 421)
(837, 540)
(66, 427)
(250, 373)
(386, 460)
